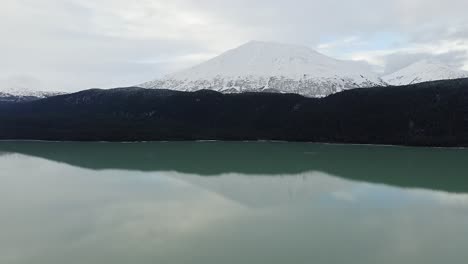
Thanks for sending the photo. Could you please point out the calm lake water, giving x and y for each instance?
(216, 203)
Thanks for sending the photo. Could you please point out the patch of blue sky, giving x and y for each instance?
(344, 46)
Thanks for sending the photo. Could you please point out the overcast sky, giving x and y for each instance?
(78, 44)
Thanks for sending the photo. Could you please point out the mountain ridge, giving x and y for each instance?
(17, 94)
(427, 114)
(424, 71)
(265, 66)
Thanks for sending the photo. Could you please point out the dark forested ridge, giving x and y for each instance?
(428, 114)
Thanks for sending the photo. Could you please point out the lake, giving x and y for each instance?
(227, 202)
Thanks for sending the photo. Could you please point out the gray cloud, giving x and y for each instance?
(76, 44)
(396, 61)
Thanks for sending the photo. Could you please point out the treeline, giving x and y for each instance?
(428, 114)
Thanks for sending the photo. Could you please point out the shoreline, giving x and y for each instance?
(233, 141)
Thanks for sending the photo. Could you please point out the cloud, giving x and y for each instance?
(452, 52)
(396, 61)
(77, 44)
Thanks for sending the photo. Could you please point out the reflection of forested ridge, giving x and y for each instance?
(434, 114)
(442, 169)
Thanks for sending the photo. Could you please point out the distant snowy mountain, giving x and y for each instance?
(424, 71)
(28, 92)
(263, 66)
(22, 94)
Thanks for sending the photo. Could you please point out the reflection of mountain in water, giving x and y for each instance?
(265, 191)
(441, 169)
(314, 188)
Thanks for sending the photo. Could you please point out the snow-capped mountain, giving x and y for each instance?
(424, 71)
(17, 94)
(24, 92)
(264, 66)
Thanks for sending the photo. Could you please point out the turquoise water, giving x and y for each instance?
(216, 202)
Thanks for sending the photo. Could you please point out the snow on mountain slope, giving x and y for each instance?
(424, 71)
(24, 92)
(263, 66)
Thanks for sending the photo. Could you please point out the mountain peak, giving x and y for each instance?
(269, 66)
(258, 58)
(424, 71)
(274, 45)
